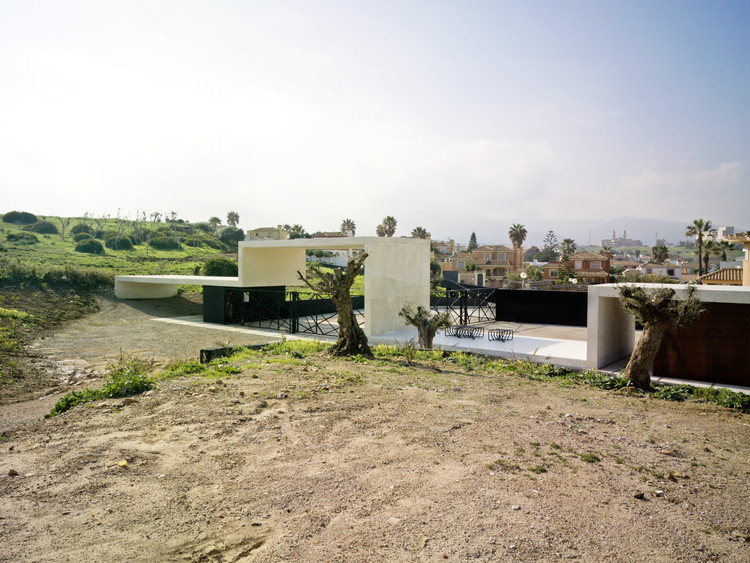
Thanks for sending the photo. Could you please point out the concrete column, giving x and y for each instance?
(611, 330)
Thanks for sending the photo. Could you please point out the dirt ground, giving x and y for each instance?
(314, 459)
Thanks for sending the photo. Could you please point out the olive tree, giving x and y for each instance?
(352, 340)
(426, 322)
(655, 310)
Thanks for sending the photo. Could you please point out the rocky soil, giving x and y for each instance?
(314, 459)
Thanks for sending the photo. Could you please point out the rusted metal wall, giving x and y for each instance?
(715, 349)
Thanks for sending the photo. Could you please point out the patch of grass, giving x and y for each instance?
(504, 465)
(127, 377)
(720, 396)
(177, 369)
(15, 314)
(590, 457)
(296, 348)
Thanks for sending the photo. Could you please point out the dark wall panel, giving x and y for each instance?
(542, 307)
(716, 348)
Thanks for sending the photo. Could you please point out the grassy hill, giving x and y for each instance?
(193, 246)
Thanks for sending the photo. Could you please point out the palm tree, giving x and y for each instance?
(697, 230)
(233, 218)
(420, 232)
(296, 231)
(389, 227)
(710, 248)
(605, 250)
(568, 247)
(214, 222)
(380, 230)
(723, 246)
(517, 234)
(348, 226)
(659, 253)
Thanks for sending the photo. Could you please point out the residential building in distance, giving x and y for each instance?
(445, 248)
(723, 276)
(589, 268)
(666, 269)
(329, 234)
(267, 233)
(495, 262)
(620, 242)
(720, 234)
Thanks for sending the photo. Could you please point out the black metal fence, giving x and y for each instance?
(466, 306)
(294, 312)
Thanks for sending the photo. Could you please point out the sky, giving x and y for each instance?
(443, 114)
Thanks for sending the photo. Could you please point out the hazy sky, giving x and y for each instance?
(441, 113)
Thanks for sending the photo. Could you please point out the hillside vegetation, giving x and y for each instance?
(127, 247)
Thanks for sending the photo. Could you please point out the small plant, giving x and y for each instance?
(127, 377)
(590, 457)
(15, 314)
(409, 352)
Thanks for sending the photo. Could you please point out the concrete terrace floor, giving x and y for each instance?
(559, 345)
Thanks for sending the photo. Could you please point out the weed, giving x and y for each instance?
(504, 465)
(590, 457)
(127, 377)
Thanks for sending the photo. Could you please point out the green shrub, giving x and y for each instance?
(80, 278)
(81, 228)
(231, 236)
(118, 243)
(220, 267)
(13, 271)
(198, 240)
(90, 247)
(20, 218)
(23, 238)
(78, 237)
(165, 243)
(43, 227)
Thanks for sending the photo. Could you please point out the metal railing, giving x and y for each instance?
(466, 306)
(294, 312)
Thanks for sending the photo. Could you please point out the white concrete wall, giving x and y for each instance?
(617, 341)
(265, 263)
(397, 272)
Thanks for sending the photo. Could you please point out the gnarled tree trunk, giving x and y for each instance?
(352, 340)
(426, 324)
(655, 310)
(642, 358)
